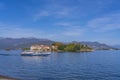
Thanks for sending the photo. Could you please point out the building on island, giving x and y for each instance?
(37, 47)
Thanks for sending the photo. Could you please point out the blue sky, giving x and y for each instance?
(61, 20)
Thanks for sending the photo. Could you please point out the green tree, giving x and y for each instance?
(60, 45)
(72, 47)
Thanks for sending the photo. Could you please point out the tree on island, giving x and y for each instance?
(72, 47)
(59, 45)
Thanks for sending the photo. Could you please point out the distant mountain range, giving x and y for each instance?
(18, 43)
(117, 46)
(98, 46)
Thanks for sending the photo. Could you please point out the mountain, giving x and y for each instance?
(98, 46)
(18, 43)
(15, 43)
(117, 46)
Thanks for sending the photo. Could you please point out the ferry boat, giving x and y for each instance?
(35, 53)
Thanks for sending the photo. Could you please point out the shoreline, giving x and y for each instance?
(7, 78)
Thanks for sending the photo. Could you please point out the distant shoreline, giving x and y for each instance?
(7, 78)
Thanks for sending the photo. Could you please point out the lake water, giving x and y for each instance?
(98, 65)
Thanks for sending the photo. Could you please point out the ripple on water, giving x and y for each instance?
(98, 65)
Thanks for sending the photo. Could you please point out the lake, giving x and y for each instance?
(98, 65)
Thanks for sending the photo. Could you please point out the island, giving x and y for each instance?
(60, 47)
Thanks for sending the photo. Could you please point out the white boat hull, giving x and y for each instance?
(35, 53)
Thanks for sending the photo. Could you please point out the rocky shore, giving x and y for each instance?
(7, 78)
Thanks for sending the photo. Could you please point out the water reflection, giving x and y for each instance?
(35, 59)
(5, 54)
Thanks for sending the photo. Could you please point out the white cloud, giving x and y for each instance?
(73, 32)
(56, 11)
(71, 29)
(63, 24)
(17, 31)
(105, 23)
(41, 14)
